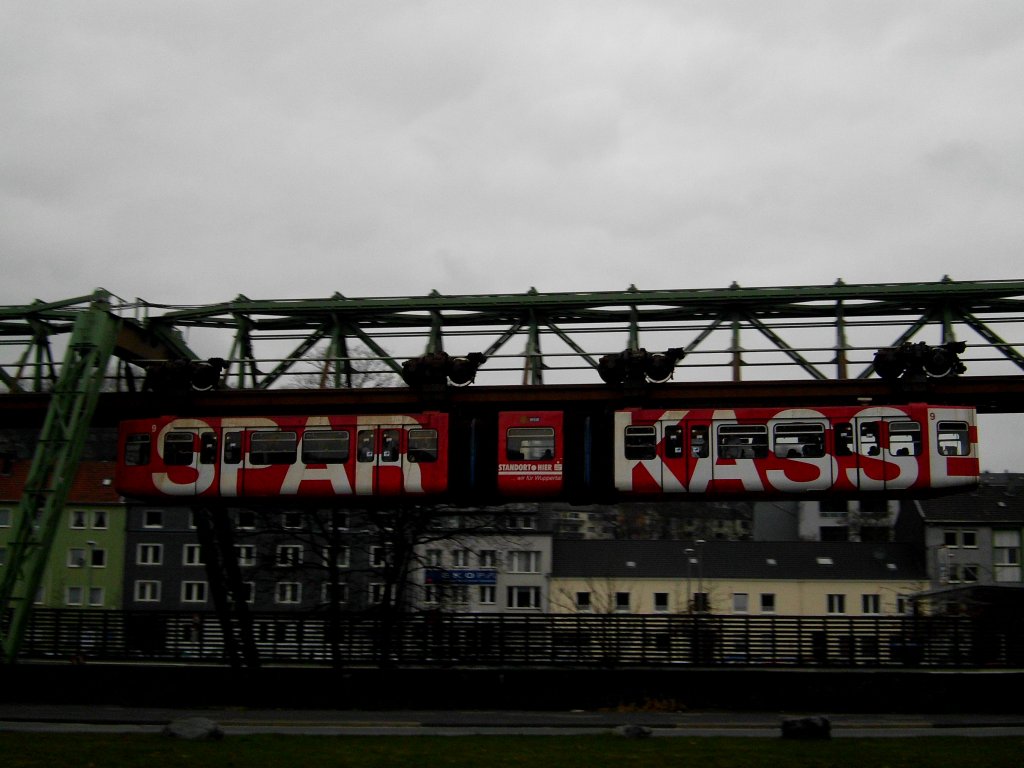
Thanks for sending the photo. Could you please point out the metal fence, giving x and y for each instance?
(516, 639)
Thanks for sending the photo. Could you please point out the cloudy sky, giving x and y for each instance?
(188, 151)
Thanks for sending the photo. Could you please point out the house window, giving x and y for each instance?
(149, 554)
(836, 603)
(432, 594)
(377, 593)
(291, 521)
(153, 518)
(288, 593)
(193, 591)
(622, 601)
(245, 520)
(192, 554)
(99, 519)
(740, 602)
(342, 556)
(338, 591)
(488, 558)
(1006, 555)
(5, 518)
(523, 597)
(955, 538)
(289, 555)
(339, 520)
(147, 591)
(96, 597)
(661, 602)
(870, 604)
(583, 601)
(488, 595)
(78, 518)
(379, 557)
(767, 602)
(73, 596)
(701, 602)
(460, 558)
(76, 557)
(246, 555)
(524, 561)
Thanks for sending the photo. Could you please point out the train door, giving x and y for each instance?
(888, 448)
(380, 457)
(189, 459)
(683, 444)
(530, 453)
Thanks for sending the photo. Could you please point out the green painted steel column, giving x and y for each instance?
(53, 467)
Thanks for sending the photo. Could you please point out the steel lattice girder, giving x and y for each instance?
(767, 311)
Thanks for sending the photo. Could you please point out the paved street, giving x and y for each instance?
(105, 719)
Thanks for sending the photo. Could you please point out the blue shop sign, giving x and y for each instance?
(461, 576)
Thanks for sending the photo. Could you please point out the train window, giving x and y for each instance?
(137, 450)
(530, 443)
(699, 442)
(390, 444)
(953, 438)
(178, 449)
(422, 445)
(641, 443)
(365, 450)
(325, 446)
(905, 438)
(742, 441)
(795, 440)
(207, 448)
(844, 439)
(232, 447)
(673, 442)
(273, 447)
(869, 439)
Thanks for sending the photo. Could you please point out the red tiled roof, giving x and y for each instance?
(87, 488)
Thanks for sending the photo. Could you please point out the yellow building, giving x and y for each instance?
(735, 578)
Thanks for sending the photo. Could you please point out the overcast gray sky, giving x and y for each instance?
(188, 151)
(185, 152)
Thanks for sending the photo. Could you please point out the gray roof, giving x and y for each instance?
(998, 499)
(790, 560)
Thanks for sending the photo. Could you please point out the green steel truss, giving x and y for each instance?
(821, 332)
